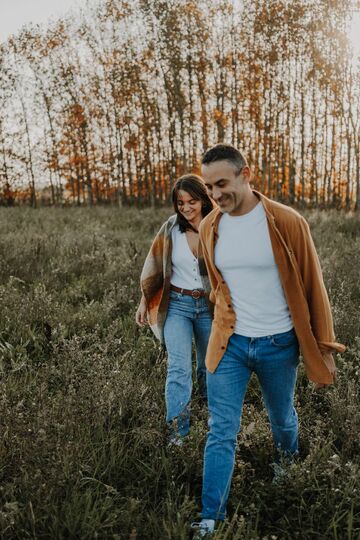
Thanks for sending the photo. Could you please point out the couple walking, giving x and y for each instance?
(256, 259)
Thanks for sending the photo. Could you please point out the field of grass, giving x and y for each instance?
(83, 446)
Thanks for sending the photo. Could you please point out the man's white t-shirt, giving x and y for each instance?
(244, 256)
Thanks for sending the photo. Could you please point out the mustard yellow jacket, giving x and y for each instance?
(303, 285)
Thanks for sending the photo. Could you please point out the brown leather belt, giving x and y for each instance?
(195, 293)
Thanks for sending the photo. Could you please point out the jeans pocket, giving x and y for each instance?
(174, 295)
(284, 340)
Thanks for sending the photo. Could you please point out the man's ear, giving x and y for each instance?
(246, 173)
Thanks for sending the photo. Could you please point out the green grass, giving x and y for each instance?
(83, 445)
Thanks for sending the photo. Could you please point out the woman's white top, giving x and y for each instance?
(185, 270)
(244, 256)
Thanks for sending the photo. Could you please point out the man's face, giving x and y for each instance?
(226, 187)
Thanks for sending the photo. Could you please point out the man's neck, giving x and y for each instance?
(248, 204)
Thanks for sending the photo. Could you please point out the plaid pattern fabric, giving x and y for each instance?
(155, 277)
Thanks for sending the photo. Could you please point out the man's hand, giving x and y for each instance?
(140, 316)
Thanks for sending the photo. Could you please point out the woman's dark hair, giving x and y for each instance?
(194, 186)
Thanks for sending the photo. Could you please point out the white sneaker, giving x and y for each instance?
(175, 441)
(204, 528)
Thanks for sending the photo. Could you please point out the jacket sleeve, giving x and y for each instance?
(152, 275)
(317, 298)
(208, 278)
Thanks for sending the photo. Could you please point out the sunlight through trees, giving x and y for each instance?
(114, 105)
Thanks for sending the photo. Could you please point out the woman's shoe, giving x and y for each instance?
(203, 529)
(175, 441)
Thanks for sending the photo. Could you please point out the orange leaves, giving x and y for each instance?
(76, 159)
(220, 117)
(192, 10)
(132, 94)
(53, 163)
(131, 143)
(53, 43)
(118, 11)
(8, 195)
(77, 115)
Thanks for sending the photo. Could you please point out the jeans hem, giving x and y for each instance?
(216, 517)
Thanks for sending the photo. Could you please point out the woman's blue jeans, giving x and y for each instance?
(274, 360)
(186, 317)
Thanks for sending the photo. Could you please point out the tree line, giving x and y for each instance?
(114, 104)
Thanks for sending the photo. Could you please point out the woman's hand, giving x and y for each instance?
(140, 317)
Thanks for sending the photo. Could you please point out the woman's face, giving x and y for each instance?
(189, 207)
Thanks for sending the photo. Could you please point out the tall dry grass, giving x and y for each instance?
(83, 447)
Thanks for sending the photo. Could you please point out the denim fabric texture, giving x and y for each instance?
(274, 360)
(187, 317)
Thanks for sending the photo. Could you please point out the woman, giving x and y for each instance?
(173, 301)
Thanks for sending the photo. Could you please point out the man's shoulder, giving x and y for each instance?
(284, 215)
(207, 221)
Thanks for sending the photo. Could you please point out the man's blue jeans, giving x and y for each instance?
(274, 359)
(186, 317)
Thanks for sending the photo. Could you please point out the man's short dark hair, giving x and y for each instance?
(223, 151)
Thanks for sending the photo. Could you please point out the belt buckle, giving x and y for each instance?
(195, 293)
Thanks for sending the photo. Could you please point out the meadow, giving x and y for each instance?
(83, 449)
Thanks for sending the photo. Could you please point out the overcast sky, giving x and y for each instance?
(15, 13)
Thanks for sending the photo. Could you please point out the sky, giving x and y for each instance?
(354, 34)
(15, 13)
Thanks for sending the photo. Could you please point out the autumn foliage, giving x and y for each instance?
(114, 104)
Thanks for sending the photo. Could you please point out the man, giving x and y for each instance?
(269, 297)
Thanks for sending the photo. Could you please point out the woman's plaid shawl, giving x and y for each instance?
(156, 275)
(155, 278)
